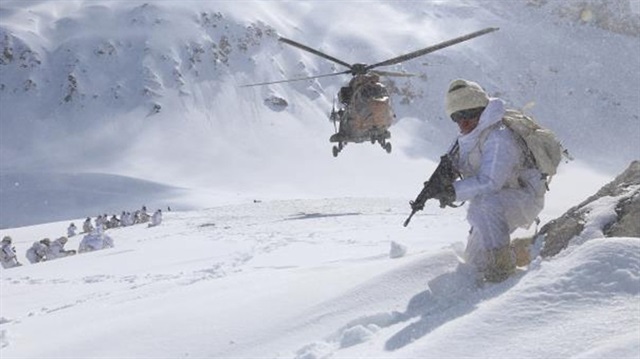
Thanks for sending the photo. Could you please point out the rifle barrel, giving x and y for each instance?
(406, 222)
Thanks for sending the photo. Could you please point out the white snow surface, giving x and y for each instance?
(275, 249)
(314, 279)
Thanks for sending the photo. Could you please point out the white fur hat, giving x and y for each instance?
(464, 95)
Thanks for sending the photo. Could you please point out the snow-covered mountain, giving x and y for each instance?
(110, 105)
(151, 90)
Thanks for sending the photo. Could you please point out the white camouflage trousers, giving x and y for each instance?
(493, 217)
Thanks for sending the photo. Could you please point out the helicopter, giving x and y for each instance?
(362, 109)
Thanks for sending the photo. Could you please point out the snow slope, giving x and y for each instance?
(314, 279)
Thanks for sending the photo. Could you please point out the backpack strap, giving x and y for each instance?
(529, 158)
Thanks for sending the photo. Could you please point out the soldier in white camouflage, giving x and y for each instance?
(504, 188)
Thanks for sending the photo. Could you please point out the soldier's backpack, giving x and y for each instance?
(545, 149)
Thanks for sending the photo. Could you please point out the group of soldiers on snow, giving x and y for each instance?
(94, 238)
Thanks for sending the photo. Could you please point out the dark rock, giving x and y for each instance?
(559, 232)
(276, 103)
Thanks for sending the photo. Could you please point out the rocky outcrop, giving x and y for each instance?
(276, 103)
(123, 71)
(623, 194)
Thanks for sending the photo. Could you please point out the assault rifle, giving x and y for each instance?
(442, 177)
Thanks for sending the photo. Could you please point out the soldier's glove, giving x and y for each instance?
(446, 196)
(417, 205)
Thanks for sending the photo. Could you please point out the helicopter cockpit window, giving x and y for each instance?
(374, 90)
(345, 94)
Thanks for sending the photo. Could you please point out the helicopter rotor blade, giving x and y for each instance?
(297, 79)
(314, 51)
(433, 48)
(392, 73)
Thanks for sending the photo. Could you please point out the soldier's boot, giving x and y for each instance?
(522, 249)
(501, 265)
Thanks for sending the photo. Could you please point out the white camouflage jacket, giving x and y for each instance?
(490, 158)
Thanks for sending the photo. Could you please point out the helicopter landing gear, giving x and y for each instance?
(384, 144)
(338, 148)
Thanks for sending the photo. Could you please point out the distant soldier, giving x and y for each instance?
(123, 219)
(87, 227)
(100, 221)
(37, 252)
(8, 254)
(56, 249)
(135, 217)
(95, 241)
(114, 222)
(144, 216)
(156, 219)
(71, 230)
